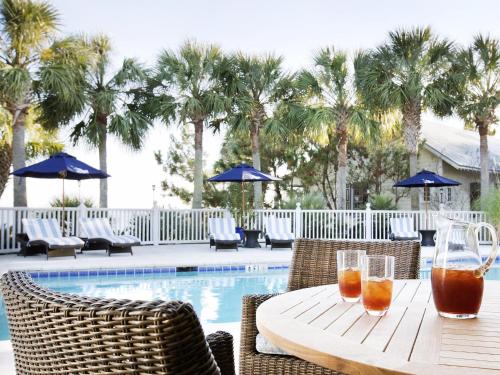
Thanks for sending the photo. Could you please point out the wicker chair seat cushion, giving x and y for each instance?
(264, 346)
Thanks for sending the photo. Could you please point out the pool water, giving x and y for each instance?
(216, 296)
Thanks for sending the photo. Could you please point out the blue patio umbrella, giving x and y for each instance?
(63, 166)
(426, 179)
(243, 173)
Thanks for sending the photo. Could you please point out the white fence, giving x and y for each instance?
(165, 226)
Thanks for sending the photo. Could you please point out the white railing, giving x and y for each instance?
(166, 226)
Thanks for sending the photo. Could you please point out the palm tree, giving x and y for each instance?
(111, 105)
(261, 89)
(26, 30)
(408, 74)
(332, 109)
(478, 95)
(187, 88)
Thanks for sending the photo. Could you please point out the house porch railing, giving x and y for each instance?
(169, 226)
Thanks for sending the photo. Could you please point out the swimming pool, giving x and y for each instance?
(216, 296)
(215, 292)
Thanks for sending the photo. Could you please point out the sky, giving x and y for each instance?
(294, 29)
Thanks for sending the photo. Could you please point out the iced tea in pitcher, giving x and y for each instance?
(456, 291)
(457, 269)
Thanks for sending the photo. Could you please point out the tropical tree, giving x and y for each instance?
(26, 32)
(478, 94)
(262, 90)
(333, 109)
(187, 87)
(112, 104)
(408, 73)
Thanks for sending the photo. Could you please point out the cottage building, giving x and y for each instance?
(449, 150)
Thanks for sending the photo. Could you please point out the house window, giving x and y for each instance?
(474, 192)
(357, 196)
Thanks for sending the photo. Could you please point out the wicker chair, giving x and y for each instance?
(56, 333)
(314, 263)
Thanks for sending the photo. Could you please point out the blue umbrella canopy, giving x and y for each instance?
(426, 178)
(242, 173)
(61, 165)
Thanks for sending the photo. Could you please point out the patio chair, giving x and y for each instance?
(314, 263)
(402, 229)
(223, 234)
(99, 235)
(58, 333)
(47, 234)
(278, 232)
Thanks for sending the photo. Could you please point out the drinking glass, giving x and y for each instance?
(377, 276)
(349, 274)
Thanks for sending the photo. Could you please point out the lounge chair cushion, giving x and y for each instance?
(223, 229)
(48, 231)
(100, 229)
(402, 228)
(279, 229)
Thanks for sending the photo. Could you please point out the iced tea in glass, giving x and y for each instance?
(457, 292)
(377, 276)
(349, 274)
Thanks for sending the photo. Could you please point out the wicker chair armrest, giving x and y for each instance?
(221, 345)
(248, 326)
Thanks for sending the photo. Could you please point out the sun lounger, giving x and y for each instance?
(223, 234)
(402, 229)
(99, 235)
(278, 232)
(46, 233)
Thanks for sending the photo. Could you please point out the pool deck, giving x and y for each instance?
(149, 256)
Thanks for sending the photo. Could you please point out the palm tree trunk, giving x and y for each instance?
(198, 164)
(484, 158)
(19, 154)
(103, 160)
(411, 134)
(257, 186)
(341, 180)
(5, 163)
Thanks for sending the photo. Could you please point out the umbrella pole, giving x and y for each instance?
(63, 226)
(242, 204)
(427, 193)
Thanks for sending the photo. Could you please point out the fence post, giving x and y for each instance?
(368, 222)
(81, 213)
(298, 221)
(155, 224)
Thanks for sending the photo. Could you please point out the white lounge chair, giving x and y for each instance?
(100, 236)
(47, 233)
(402, 229)
(278, 232)
(222, 233)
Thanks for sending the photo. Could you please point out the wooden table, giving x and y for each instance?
(315, 325)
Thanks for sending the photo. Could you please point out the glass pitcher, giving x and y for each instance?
(457, 268)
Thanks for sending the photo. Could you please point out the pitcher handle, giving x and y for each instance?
(493, 253)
